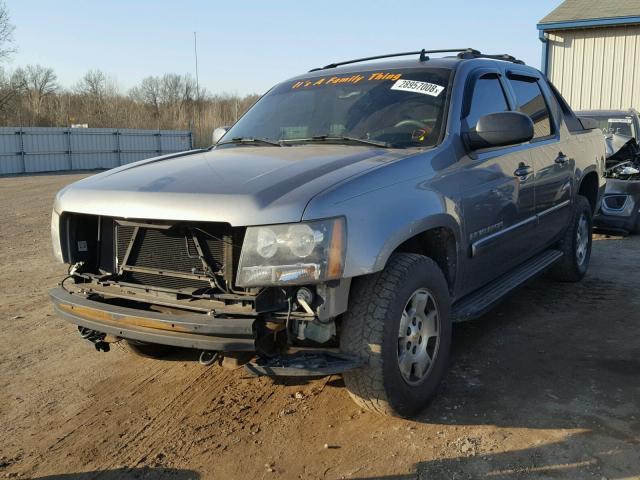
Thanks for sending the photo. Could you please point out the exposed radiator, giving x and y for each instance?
(174, 250)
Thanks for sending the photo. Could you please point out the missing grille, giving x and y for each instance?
(178, 257)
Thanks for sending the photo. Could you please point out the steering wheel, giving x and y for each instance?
(421, 130)
(412, 123)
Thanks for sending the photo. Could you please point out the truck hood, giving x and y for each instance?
(241, 185)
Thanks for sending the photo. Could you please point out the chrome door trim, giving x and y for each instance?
(479, 245)
(554, 208)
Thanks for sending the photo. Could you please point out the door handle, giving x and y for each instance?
(561, 159)
(523, 171)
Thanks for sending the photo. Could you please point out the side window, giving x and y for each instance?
(531, 102)
(488, 97)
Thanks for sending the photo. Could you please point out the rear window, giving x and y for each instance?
(531, 102)
(612, 123)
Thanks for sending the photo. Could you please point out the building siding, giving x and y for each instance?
(596, 68)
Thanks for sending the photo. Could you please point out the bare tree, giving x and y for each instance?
(36, 83)
(31, 96)
(6, 32)
(148, 94)
(7, 92)
(99, 97)
(93, 84)
(177, 94)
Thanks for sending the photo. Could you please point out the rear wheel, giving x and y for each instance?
(636, 227)
(148, 350)
(576, 244)
(399, 324)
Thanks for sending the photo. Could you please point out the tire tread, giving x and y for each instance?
(565, 270)
(371, 299)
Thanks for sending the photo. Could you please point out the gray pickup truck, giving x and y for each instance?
(341, 225)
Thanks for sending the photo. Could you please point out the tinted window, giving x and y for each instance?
(488, 97)
(531, 102)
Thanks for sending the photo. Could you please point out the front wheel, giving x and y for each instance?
(399, 324)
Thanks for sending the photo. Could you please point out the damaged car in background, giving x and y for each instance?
(341, 225)
(620, 208)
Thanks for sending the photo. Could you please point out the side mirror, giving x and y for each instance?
(218, 133)
(588, 123)
(500, 129)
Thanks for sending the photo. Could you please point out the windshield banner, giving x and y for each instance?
(352, 79)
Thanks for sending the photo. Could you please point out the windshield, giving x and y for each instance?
(397, 107)
(618, 124)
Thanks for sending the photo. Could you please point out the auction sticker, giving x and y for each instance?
(415, 86)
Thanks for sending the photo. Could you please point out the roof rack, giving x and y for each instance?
(423, 57)
(463, 53)
(502, 56)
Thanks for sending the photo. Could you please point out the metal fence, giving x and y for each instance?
(35, 149)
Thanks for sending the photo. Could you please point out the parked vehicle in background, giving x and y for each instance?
(620, 209)
(341, 225)
(619, 122)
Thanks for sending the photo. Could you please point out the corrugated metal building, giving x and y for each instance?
(591, 53)
(34, 149)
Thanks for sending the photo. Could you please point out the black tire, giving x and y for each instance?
(636, 228)
(148, 350)
(569, 268)
(370, 330)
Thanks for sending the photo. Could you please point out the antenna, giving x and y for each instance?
(195, 51)
(196, 104)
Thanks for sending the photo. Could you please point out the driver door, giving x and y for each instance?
(497, 191)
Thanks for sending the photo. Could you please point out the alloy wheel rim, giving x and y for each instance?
(582, 239)
(418, 337)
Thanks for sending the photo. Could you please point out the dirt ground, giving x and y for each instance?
(545, 386)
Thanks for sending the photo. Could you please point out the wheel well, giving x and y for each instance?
(589, 189)
(439, 244)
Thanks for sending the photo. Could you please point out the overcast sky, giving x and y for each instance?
(248, 45)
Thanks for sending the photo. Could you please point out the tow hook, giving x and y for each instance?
(100, 340)
(209, 357)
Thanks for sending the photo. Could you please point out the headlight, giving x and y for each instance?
(55, 237)
(292, 254)
(266, 243)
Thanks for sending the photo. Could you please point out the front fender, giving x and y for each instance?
(412, 229)
(380, 220)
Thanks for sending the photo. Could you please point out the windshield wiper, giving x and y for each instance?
(327, 138)
(250, 140)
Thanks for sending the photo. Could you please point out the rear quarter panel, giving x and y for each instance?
(589, 157)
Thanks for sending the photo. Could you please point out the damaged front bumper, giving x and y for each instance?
(620, 207)
(197, 331)
(207, 333)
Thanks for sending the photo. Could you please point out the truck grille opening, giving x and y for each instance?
(176, 257)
